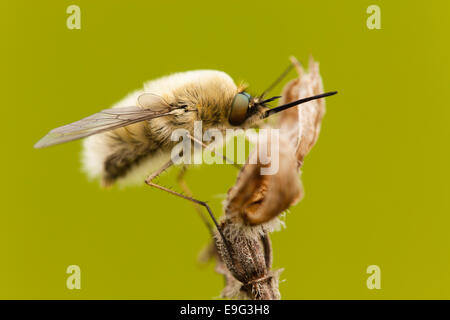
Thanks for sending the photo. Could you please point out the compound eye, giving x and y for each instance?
(239, 108)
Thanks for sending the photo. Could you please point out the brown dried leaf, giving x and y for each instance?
(256, 198)
(302, 124)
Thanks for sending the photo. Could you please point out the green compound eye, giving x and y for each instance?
(239, 108)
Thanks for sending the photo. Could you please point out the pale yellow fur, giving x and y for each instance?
(196, 88)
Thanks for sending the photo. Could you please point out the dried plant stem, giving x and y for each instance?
(247, 266)
(242, 247)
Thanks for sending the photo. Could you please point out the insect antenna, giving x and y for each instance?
(278, 80)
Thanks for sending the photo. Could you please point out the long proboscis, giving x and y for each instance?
(297, 102)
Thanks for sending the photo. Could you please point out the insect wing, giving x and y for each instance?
(106, 120)
(152, 101)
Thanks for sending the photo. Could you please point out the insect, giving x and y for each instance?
(134, 135)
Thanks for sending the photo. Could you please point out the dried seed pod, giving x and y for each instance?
(233, 287)
(247, 254)
(242, 249)
(257, 198)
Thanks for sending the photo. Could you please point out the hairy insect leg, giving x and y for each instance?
(182, 182)
(149, 181)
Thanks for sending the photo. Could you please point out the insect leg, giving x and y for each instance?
(181, 181)
(219, 153)
(167, 165)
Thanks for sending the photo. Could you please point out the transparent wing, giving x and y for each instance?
(108, 119)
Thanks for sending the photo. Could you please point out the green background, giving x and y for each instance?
(376, 183)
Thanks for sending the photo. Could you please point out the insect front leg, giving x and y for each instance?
(182, 182)
(149, 181)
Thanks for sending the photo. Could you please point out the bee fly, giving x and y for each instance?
(133, 137)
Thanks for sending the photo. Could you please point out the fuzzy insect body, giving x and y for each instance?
(130, 153)
(133, 138)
